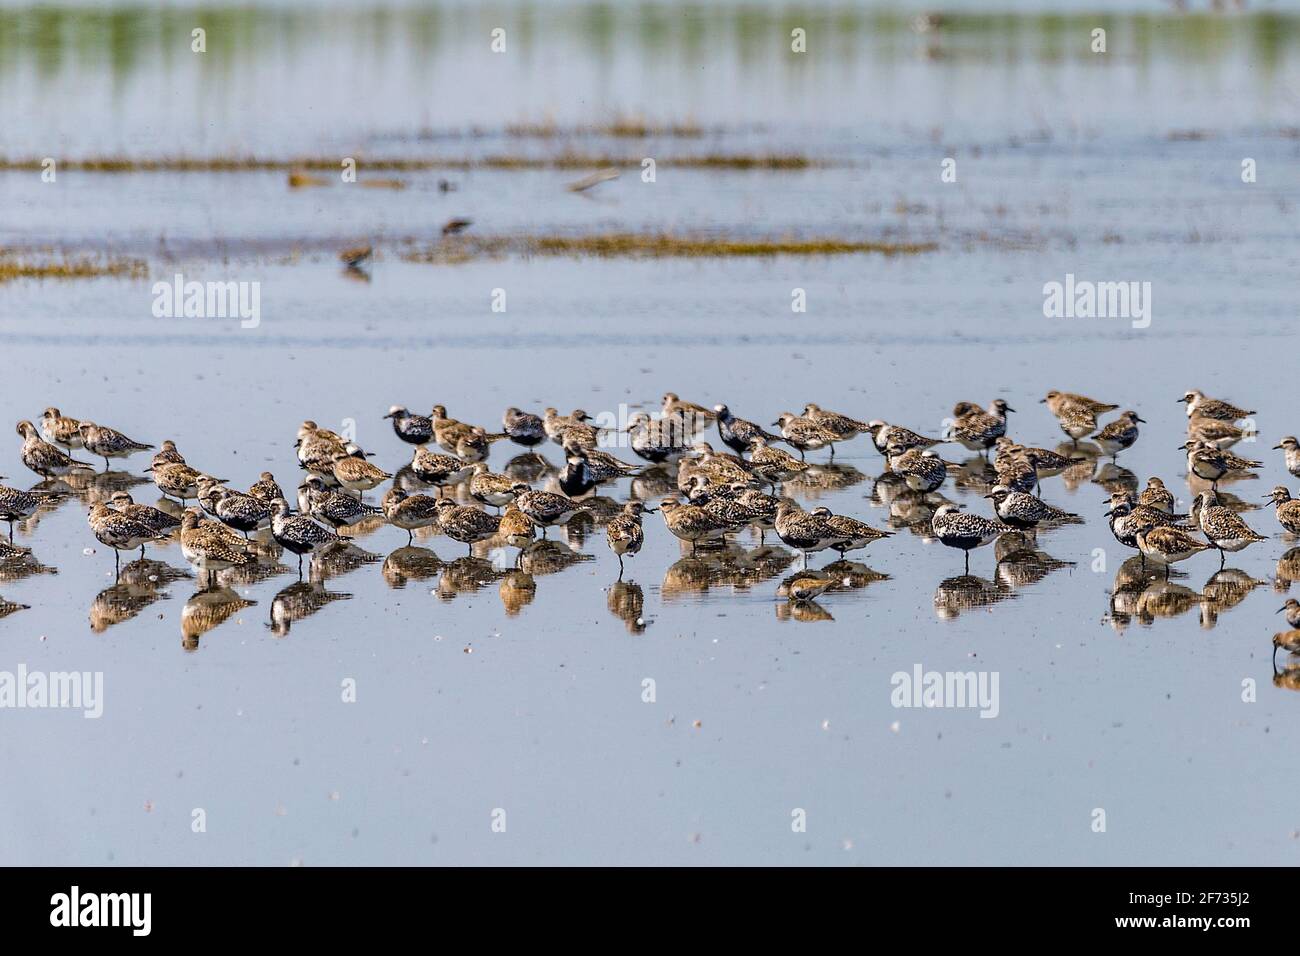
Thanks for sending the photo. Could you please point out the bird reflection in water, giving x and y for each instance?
(727, 566)
(300, 600)
(550, 557)
(799, 595)
(517, 591)
(466, 575)
(17, 563)
(1288, 570)
(410, 563)
(813, 483)
(337, 559)
(626, 601)
(1021, 563)
(1114, 478)
(529, 467)
(207, 608)
(967, 592)
(1287, 677)
(139, 584)
(11, 607)
(1224, 591)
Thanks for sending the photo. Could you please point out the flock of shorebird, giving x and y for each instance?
(717, 493)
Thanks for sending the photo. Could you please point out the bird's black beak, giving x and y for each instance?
(1277, 446)
(1280, 610)
(1139, 418)
(391, 415)
(1042, 401)
(1010, 409)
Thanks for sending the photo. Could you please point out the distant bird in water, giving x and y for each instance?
(454, 227)
(355, 257)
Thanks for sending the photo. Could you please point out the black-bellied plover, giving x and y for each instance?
(119, 532)
(108, 442)
(851, 534)
(331, 506)
(1077, 422)
(624, 533)
(601, 465)
(1211, 464)
(959, 529)
(1119, 434)
(923, 470)
(1223, 528)
(573, 428)
(1199, 406)
(976, 428)
(1166, 545)
(1216, 432)
(177, 480)
(410, 512)
(357, 474)
(686, 416)
(439, 470)
(517, 528)
(1024, 511)
(524, 428)
(773, 465)
(59, 429)
(467, 524)
(45, 459)
(242, 512)
(153, 518)
(489, 488)
(843, 427)
(17, 505)
(804, 434)
(545, 507)
(1156, 495)
(208, 549)
(1287, 510)
(690, 522)
(657, 440)
(883, 435)
(166, 455)
(1058, 402)
(297, 532)
(409, 427)
(266, 489)
(738, 434)
(1291, 450)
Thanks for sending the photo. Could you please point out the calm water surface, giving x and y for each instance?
(474, 693)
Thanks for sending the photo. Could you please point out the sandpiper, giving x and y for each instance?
(489, 488)
(1287, 640)
(152, 518)
(166, 455)
(409, 427)
(1157, 496)
(1224, 529)
(687, 416)
(883, 435)
(58, 429)
(1166, 545)
(843, 427)
(242, 512)
(1119, 434)
(545, 508)
(1288, 509)
(1292, 609)
(572, 427)
(1291, 449)
(1024, 511)
(439, 470)
(266, 489)
(410, 512)
(657, 440)
(524, 428)
(1211, 464)
(357, 474)
(738, 434)
(177, 480)
(1057, 402)
(517, 528)
(1216, 432)
(108, 442)
(1200, 406)
(16, 505)
(467, 524)
(1046, 463)
(298, 533)
(119, 532)
(978, 429)
(851, 534)
(1077, 421)
(804, 434)
(959, 529)
(43, 458)
(208, 549)
(624, 533)
(690, 522)
(331, 506)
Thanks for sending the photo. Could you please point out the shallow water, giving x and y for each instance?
(473, 695)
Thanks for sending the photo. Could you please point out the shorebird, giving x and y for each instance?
(1291, 450)
(921, 469)
(357, 474)
(1046, 463)
(687, 416)
(1024, 511)
(1216, 432)
(1166, 545)
(959, 529)
(108, 442)
(409, 427)
(572, 428)
(1288, 509)
(883, 435)
(439, 470)
(1292, 609)
(207, 548)
(166, 455)
(851, 534)
(265, 489)
(43, 458)
(1200, 406)
(978, 429)
(119, 532)
(601, 466)
(843, 427)
(467, 524)
(804, 589)
(489, 488)
(298, 533)
(152, 518)
(1077, 422)
(16, 505)
(1057, 402)
(1224, 529)
(738, 434)
(1016, 473)
(804, 434)
(1211, 464)
(690, 522)
(410, 512)
(1157, 496)
(524, 428)
(517, 528)
(773, 465)
(656, 440)
(545, 508)
(1287, 640)
(1119, 434)
(58, 429)
(242, 512)
(624, 533)
(331, 506)
(177, 480)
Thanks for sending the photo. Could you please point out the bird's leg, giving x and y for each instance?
(968, 562)
(410, 537)
(620, 567)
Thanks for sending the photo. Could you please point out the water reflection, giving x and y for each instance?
(300, 600)
(626, 601)
(10, 607)
(207, 608)
(968, 592)
(1223, 591)
(138, 585)
(1286, 677)
(517, 591)
(728, 566)
(410, 563)
(1021, 563)
(1288, 570)
(22, 565)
